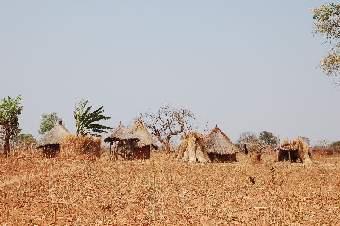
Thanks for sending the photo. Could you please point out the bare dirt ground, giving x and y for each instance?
(163, 191)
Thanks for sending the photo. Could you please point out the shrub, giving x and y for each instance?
(73, 146)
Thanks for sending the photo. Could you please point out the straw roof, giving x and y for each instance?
(136, 132)
(219, 143)
(122, 133)
(54, 136)
(139, 130)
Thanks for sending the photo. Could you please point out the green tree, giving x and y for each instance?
(87, 120)
(268, 138)
(47, 122)
(327, 23)
(335, 145)
(25, 139)
(10, 109)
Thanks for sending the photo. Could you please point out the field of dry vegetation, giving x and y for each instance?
(163, 191)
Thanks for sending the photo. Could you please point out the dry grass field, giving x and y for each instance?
(162, 191)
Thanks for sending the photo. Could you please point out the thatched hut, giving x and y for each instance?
(140, 131)
(131, 143)
(51, 141)
(294, 151)
(219, 147)
(191, 148)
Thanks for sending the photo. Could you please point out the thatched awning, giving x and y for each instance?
(137, 133)
(54, 136)
(219, 143)
(292, 145)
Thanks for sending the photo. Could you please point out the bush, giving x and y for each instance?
(335, 146)
(73, 146)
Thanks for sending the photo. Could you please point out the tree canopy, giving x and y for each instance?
(247, 137)
(48, 121)
(25, 139)
(269, 138)
(10, 109)
(168, 122)
(327, 23)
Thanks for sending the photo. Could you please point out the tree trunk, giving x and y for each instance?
(166, 146)
(7, 145)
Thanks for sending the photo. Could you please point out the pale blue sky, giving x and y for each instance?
(244, 65)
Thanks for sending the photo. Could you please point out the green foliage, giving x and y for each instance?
(10, 109)
(327, 20)
(327, 23)
(48, 121)
(25, 139)
(87, 121)
(335, 145)
(268, 138)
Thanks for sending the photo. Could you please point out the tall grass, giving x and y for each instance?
(75, 146)
(162, 191)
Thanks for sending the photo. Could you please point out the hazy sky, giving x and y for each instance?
(244, 65)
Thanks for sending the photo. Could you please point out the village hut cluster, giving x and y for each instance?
(213, 147)
(131, 143)
(136, 142)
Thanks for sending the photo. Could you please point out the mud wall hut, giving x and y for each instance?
(219, 147)
(51, 141)
(131, 143)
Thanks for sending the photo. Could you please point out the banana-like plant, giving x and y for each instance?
(87, 120)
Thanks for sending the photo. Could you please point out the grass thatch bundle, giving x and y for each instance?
(294, 150)
(192, 148)
(72, 146)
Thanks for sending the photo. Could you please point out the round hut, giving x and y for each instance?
(51, 140)
(131, 143)
(219, 147)
(145, 138)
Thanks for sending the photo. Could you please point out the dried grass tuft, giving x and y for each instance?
(75, 146)
(163, 191)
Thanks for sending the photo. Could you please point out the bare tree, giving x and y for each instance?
(168, 122)
(247, 137)
(250, 143)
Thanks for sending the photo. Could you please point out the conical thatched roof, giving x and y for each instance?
(139, 130)
(218, 142)
(54, 136)
(122, 133)
(136, 132)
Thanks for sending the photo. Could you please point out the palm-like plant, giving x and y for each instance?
(87, 121)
